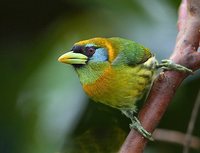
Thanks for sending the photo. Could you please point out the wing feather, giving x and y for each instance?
(130, 52)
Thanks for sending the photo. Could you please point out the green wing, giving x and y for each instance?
(129, 52)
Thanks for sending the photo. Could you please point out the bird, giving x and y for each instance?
(117, 72)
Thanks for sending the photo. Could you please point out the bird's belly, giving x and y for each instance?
(120, 87)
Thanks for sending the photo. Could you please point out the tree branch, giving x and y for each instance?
(175, 137)
(166, 84)
(191, 124)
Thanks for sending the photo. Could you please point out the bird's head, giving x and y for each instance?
(94, 58)
(96, 50)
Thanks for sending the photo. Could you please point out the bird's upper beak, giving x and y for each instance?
(73, 58)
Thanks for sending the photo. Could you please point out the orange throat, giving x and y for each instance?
(100, 87)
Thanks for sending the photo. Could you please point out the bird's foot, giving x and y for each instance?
(170, 65)
(137, 126)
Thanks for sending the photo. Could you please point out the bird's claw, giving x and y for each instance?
(170, 65)
(137, 126)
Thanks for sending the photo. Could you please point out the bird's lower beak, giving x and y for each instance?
(73, 58)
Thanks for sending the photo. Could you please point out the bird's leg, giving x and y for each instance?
(135, 124)
(167, 64)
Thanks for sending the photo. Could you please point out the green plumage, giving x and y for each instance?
(129, 52)
(121, 82)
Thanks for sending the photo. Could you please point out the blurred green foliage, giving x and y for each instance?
(43, 108)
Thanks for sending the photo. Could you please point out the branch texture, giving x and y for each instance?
(166, 84)
(176, 137)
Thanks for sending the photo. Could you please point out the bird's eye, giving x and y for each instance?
(90, 51)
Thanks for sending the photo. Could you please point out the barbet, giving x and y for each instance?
(116, 72)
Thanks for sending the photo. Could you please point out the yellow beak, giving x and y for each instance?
(73, 58)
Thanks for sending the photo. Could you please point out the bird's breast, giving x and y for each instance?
(120, 87)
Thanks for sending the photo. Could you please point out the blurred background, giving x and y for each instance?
(43, 107)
